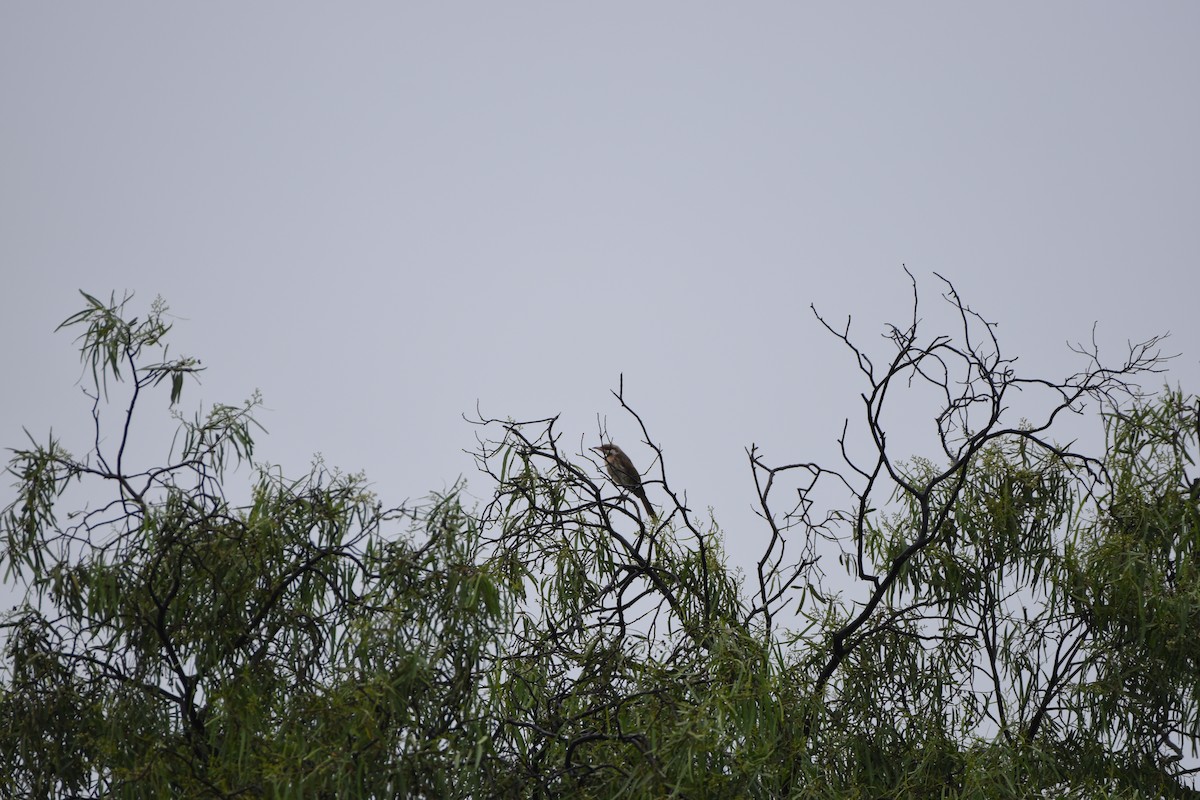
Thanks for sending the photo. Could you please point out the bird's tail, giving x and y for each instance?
(646, 502)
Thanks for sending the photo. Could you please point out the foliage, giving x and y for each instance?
(1013, 620)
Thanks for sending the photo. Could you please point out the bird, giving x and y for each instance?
(623, 473)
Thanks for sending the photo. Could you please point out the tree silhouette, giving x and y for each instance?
(1002, 616)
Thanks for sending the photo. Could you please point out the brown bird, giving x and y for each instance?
(623, 473)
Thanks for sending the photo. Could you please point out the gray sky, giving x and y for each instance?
(382, 213)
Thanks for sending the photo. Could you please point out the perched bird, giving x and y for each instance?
(623, 473)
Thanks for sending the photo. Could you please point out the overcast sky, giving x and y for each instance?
(382, 214)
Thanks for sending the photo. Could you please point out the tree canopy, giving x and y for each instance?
(1009, 616)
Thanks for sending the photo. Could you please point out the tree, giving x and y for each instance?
(1013, 619)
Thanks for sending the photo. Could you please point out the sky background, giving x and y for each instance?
(383, 214)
